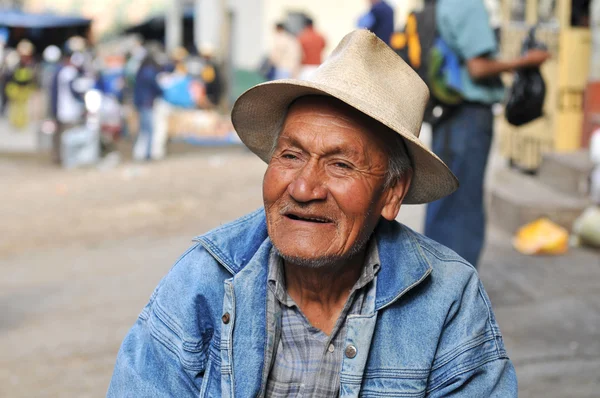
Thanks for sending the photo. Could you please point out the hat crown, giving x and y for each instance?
(364, 67)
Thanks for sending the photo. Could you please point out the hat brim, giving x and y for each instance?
(258, 116)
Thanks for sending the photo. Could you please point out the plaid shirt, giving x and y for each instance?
(305, 362)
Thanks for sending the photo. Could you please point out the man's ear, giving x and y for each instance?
(395, 196)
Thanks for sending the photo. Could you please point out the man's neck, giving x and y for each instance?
(321, 293)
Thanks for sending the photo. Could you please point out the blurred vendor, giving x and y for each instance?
(211, 74)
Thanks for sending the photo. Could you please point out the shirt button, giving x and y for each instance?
(225, 318)
(331, 348)
(351, 351)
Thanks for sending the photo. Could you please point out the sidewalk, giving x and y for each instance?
(548, 309)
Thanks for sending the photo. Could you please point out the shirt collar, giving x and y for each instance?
(276, 276)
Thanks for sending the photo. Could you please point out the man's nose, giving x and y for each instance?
(308, 184)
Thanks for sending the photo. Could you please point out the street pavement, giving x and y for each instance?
(82, 251)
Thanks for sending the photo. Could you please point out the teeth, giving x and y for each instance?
(319, 220)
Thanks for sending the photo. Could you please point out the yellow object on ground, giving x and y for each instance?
(541, 237)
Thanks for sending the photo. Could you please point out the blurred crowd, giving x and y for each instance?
(101, 89)
(294, 56)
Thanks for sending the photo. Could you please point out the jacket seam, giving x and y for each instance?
(466, 368)
(177, 330)
(387, 373)
(440, 257)
(221, 257)
(471, 344)
(385, 302)
(169, 345)
(489, 310)
(417, 243)
(377, 394)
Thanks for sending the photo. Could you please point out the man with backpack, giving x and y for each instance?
(462, 136)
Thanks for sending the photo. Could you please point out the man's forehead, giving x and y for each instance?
(323, 109)
(333, 112)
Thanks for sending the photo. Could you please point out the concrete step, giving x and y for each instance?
(568, 173)
(517, 199)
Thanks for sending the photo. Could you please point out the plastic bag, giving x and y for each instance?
(587, 227)
(541, 237)
(527, 94)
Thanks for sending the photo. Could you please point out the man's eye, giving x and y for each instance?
(342, 165)
(289, 156)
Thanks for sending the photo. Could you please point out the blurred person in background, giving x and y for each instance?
(182, 88)
(146, 91)
(11, 61)
(463, 139)
(111, 75)
(211, 75)
(285, 54)
(22, 85)
(4, 33)
(68, 89)
(110, 82)
(51, 58)
(312, 43)
(134, 59)
(379, 20)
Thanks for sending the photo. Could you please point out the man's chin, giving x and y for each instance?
(322, 262)
(315, 262)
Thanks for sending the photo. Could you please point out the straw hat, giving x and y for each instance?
(366, 74)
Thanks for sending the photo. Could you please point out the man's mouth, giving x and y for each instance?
(307, 218)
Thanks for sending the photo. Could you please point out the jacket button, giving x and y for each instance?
(350, 351)
(225, 318)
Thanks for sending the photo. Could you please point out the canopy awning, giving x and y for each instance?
(20, 19)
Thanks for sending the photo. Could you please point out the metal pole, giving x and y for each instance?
(197, 23)
(210, 20)
(174, 25)
(595, 32)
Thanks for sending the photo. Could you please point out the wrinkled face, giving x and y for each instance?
(324, 187)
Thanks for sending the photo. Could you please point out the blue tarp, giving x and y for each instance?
(19, 19)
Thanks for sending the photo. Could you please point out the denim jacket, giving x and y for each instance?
(430, 332)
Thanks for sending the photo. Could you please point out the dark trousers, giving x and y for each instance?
(463, 142)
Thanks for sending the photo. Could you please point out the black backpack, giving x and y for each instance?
(417, 46)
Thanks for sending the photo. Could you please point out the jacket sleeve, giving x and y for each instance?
(146, 368)
(471, 360)
(153, 360)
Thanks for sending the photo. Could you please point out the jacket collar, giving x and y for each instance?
(403, 263)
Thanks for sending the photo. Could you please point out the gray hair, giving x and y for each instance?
(399, 159)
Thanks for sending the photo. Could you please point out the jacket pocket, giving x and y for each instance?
(394, 383)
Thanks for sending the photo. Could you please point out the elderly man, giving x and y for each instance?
(322, 293)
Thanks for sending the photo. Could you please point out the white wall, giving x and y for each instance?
(248, 33)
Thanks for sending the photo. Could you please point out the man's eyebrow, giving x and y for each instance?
(329, 151)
